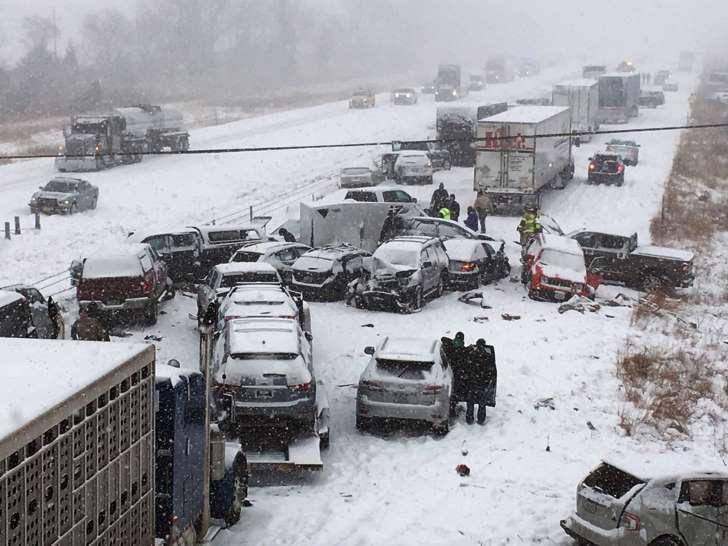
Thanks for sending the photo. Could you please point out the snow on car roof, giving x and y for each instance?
(580, 82)
(234, 268)
(40, 375)
(464, 250)
(407, 348)
(561, 243)
(164, 371)
(7, 297)
(122, 262)
(526, 114)
(262, 336)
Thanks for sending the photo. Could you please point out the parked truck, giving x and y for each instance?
(513, 164)
(99, 141)
(499, 70)
(582, 96)
(619, 97)
(448, 84)
(456, 127)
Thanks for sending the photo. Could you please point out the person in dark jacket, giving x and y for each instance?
(392, 223)
(58, 329)
(457, 357)
(471, 221)
(482, 378)
(287, 235)
(454, 207)
(440, 198)
(88, 327)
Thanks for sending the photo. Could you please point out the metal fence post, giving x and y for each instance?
(17, 225)
(251, 213)
(7, 230)
(37, 220)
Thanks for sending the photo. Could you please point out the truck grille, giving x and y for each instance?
(558, 282)
(309, 277)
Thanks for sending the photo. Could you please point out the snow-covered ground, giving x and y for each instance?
(401, 488)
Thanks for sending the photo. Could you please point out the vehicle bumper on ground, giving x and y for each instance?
(435, 413)
(579, 529)
(387, 299)
(404, 101)
(131, 304)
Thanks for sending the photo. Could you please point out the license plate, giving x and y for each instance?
(264, 394)
(559, 295)
(590, 506)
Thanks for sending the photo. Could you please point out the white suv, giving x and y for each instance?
(413, 167)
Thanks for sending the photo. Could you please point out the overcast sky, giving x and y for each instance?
(600, 30)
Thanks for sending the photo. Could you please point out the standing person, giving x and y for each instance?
(482, 381)
(483, 207)
(58, 328)
(288, 237)
(457, 357)
(88, 327)
(439, 199)
(471, 221)
(389, 228)
(454, 207)
(529, 225)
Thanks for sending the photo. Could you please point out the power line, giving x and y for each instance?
(370, 144)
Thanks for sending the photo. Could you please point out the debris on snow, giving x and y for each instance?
(545, 403)
(507, 316)
(472, 296)
(152, 337)
(580, 304)
(590, 425)
(462, 470)
(480, 319)
(367, 325)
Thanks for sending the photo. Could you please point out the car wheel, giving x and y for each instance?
(441, 429)
(73, 209)
(440, 287)
(150, 314)
(362, 423)
(417, 299)
(505, 271)
(666, 541)
(240, 492)
(533, 294)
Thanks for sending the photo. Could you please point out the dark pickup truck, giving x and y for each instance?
(622, 260)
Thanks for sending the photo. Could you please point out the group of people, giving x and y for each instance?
(475, 376)
(445, 206)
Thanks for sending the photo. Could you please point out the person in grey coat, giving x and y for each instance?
(482, 380)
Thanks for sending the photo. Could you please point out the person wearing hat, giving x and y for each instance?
(483, 207)
(88, 327)
(288, 237)
(471, 220)
(482, 378)
(390, 226)
(440, 198)
(529, 225)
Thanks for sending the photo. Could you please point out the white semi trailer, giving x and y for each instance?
(582, 97)
(521, 152)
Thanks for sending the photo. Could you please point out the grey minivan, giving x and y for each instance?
(615, 507)
(406, 379)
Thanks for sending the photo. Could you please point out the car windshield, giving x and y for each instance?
(560, 258)
(183, 240)
(232, 235)
(228, 281)
(398, 255)
(355, 171)
(247, 257)
(412, 370)
(63, 186)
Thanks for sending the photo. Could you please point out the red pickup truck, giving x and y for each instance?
(129, 281)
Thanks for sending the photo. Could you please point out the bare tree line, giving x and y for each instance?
(217, 49)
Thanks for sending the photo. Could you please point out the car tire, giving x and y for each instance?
(150, 313)
(666, 541)
(362, 423)
(240, 492)
(534, 295)
(417, 300)
(505, 271)
(325, 441)
(441, 429)
(440, 288)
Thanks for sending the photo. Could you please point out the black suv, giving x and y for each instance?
(324, 273)
(15, 316)
(606, 168)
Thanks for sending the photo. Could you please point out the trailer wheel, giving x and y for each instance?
(150, 314)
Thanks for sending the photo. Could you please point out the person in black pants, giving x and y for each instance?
(482, 378)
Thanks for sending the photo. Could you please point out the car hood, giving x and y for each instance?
(563, 273)
(664, 252)
(53, 194)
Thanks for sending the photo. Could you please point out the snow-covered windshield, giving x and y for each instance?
(314, 263)
(398, 255)
(264, 356)
(100, 268)
(228, 281)
(61, 186)
(559, 258)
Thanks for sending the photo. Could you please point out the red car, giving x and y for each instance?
(554, 269)
(131, 280)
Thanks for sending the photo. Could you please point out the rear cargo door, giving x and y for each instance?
(698, 512)
(604, 493)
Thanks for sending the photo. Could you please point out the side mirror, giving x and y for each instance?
(308, 335)
(369, 350)
(413, 200)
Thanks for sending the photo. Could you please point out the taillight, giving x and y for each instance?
(620, 168)
(592, 166)
(432, 389)
(631, 522)
(303, 387)
(467, 266)
(145, 286)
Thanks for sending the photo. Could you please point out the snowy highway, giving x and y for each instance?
(400, 488)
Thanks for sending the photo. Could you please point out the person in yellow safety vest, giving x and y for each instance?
(529, 225)
(444, 213)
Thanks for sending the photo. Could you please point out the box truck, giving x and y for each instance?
(522, 151)
(582, 96)
(619, 97)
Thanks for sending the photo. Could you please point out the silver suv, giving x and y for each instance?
(403, 272)
(617, 508)
(407, 379)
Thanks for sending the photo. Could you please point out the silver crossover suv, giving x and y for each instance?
(408, 379)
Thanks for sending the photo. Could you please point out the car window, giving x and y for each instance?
(450, 231)
(299, 251)
(425, 228)
(363, 196)
(212, 279)
(426, 256)
(286, 255)
(146, 262)
(34, 296)
(699, 492)
(588, 240)
(396, 196)
(183, 240)
(611, 242)
(488, 250)
(158, 242)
